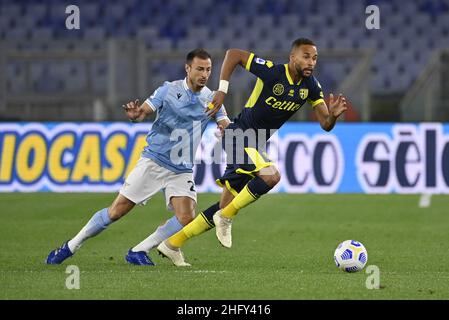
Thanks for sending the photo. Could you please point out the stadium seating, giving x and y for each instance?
(408, 33)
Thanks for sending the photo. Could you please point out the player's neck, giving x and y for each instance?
(295, 76)
(192, 87)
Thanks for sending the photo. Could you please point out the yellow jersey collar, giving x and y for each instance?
(289, 78)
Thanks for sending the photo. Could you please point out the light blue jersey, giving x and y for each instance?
(179, 124)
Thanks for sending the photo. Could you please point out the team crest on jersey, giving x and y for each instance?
(303, 93)
(278, 89)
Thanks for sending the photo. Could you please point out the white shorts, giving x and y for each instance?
(147, 178)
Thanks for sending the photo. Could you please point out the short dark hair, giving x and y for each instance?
(200, 53)
(302, 41)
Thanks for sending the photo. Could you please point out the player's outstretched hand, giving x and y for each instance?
(216, 103)
(220, 131)
(132, 109)
(337, 105)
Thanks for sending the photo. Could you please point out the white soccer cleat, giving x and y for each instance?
(223, 229)
(175, 255)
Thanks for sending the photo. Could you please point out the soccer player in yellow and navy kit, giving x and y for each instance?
(279, 92)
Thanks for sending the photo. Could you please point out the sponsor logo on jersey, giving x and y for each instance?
(278, 89)
(282, 105)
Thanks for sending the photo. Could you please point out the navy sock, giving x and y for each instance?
(209, 212)
(258, 187)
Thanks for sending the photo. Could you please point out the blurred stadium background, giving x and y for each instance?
(125, 49)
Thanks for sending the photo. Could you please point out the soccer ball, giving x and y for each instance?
(350, 256)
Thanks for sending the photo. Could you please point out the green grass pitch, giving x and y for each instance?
(282, 249)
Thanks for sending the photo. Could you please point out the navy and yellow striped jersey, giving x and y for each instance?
(275, 98)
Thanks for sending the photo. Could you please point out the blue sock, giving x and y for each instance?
(99, 221)
(162, 232)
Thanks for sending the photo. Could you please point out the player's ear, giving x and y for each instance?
(292, 55)
(187, 68)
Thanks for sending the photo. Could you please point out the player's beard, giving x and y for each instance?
(300, 72)
(306, 76)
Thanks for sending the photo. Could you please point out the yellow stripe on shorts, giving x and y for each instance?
(258, 161)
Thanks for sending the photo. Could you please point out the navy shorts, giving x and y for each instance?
(244, 159)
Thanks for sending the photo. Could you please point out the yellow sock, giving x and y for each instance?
(198, 226)
(244, 198)
(229, 211)
(178, 239)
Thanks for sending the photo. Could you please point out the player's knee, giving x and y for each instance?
(272, 178)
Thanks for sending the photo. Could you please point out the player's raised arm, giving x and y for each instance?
(136, 112)
(232, 58)
(328, 116)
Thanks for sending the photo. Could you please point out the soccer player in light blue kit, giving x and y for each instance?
(180, 105)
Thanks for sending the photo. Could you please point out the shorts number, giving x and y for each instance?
(192, 187)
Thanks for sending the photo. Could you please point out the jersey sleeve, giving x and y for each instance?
(221, 114)
(156, 100)
(261, 68)
(316, 95)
